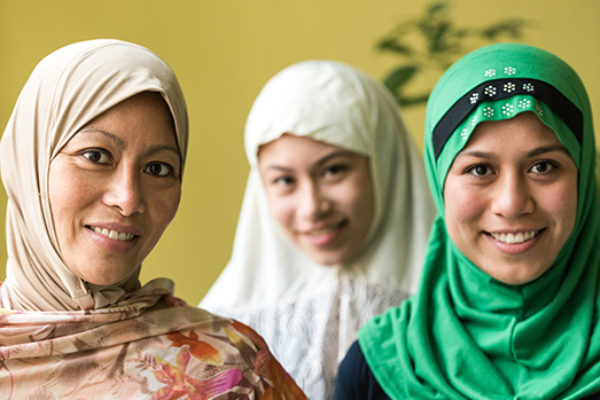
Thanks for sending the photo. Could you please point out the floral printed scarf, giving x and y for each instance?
(152, 349)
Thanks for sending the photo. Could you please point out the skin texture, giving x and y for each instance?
(513, 176)
(120, 172)
(320, 194)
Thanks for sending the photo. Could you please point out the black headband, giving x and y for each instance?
(497, 89)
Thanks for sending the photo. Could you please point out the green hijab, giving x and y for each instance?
(466, 335)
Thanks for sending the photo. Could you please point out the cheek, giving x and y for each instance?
(463, 207)
(67, 194)
(359, 198)
(282, 209)
(164, 206)
(562, 203)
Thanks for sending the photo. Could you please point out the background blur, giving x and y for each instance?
(224, 51)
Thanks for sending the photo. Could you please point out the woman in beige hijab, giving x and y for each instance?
(92, 160)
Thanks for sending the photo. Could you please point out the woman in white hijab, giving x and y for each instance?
(92, 160)
(334, 221)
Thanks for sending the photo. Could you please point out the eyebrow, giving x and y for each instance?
(115, 139)
(535, 152)
(321, 161)
(338, 153)
(121, 144)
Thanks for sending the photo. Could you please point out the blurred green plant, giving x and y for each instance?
(433, 42)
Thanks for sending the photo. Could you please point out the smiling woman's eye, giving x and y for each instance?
(543, 167)
(335, 169)
(159, 169)
(284, 180)
(97, 156)
(479, 170)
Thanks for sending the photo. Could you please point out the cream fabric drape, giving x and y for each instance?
(308, 311)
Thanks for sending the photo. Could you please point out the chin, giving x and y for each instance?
(332, 260)
(326, 260)
(518, 276)
(107, 279)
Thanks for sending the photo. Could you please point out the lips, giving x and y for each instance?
(323, 235)
(112, 234)
(516, 241)
(323, 229)
(114, 238)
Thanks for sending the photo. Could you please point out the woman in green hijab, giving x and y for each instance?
(509, 302)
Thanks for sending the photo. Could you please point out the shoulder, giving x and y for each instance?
(265, 366)
(355, 379)
(220, 343)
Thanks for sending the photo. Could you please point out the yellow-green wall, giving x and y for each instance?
(223, 52)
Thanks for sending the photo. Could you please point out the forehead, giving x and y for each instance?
(128, 109)
(141, 121)
(294, 146)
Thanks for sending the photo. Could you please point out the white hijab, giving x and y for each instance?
(337, 104)
(66, 90)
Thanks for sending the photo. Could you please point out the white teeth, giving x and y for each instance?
(510, 238)
(319, 232)
(114, 234)
(323, 231)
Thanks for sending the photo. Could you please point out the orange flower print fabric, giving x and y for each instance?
(134, 352)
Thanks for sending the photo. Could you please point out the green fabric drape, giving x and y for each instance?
(466, 335)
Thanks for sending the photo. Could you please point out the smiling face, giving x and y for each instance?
(320, 194)
(510, 198)
(114, 188)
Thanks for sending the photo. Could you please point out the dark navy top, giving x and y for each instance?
(355, 381)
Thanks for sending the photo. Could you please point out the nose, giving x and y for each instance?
(124, 192)
(512, 197)
(313, 203)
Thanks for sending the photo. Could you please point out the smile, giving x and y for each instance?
(325, 230)
(324, 236)
(115, 235)
(515, 238)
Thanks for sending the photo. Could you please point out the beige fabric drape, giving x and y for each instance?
(337, 104)
(62, 338)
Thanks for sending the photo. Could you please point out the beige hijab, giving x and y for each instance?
(66, 90)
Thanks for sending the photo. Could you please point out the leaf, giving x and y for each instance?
(439, 42)
(399, 77)
(201, 350)
(439, 6)
(393, 45)
(411, 101)
(510, 27)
